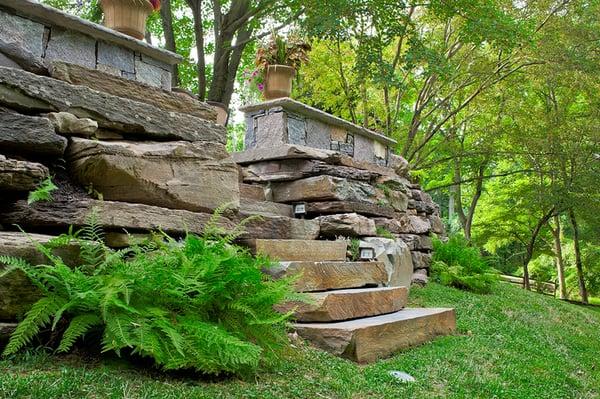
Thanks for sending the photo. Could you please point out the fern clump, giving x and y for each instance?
(200, 303)
(456, 264)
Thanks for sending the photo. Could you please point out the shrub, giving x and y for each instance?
(459, 265)
(201, 303)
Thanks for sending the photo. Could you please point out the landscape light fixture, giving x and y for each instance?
(366, 253)
(300, 210)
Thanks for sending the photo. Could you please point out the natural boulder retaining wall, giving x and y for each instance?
(146, 159)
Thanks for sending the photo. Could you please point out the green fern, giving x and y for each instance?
(201, 303)
(43, 192)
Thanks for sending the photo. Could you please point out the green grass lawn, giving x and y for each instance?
(510, 344)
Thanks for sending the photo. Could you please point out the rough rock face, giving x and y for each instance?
(301, 250)
(132, 90)
(17, 294)
(324, 188)
(321, 276)
(25, 91)
(121, 216)
(179, 175)
(347, 304)
(347, 225)
(20, 175)
(29, 135)
(68, 124)
(366, 340)
(396, 257)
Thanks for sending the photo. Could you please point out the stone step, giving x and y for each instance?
(366, 340)
(301, 250)
(323, 276)
(348, 304)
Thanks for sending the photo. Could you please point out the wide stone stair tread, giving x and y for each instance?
(301, 250)
(348, 304)
(371, 338)
(322, 276)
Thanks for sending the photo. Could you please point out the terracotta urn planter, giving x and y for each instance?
(126, 16)
(278, 81)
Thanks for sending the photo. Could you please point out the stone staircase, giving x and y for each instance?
(351, 313)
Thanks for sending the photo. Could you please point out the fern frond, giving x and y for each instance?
(38, 316)
(78, 327)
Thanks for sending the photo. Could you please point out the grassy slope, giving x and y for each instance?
(511, 344)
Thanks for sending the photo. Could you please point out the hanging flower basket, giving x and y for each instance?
(128, 16)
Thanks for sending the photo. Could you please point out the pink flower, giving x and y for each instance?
(261, 86)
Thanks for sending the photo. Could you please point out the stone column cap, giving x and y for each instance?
(32, 9)
(300, 108)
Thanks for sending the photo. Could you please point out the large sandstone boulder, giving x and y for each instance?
(20, 175)
(119, 216)
(396, 257)
(17, 294)
(29, 135)
(97, 80)
(179, 175)
(33, 93)
(346, 225)
(324, 188)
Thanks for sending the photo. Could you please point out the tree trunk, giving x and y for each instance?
(531, 246)
(166, 17)
(196, 6)
(578, 262)
(560, 261)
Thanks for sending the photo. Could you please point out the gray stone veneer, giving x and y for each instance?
(285, 121)
(33, 34)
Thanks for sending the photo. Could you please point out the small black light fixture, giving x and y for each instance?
(299, 210)
(366, 253)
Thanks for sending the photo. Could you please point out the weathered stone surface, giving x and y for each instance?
(301, 250)
(421, 206)
(271, 130)
(285, 151)
(417, 242)
(252, 192)
(347, 225)
(5, 61)
(318, 134)
(68, 124)
(138, 217)
(405, 224)
(24, 90)
(347, 304)
(324, 188)
(20, 175)
(321, 276)
(118, 58)
(421, 260)
(366, 340)
(23, 33)
(71, 46)
(399, 165)
(265, 208)
(29, 135)
(294, 169)
(180, 175)
(164, 100)
(152, 75)
(396, 257)
(364, 149)
(324, 208)
(420, 277)
(437, 225)
(17, 294)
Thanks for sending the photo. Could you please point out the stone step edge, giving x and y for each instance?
(348, 304)
(369, 339)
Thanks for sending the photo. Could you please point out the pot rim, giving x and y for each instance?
(148, 4)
